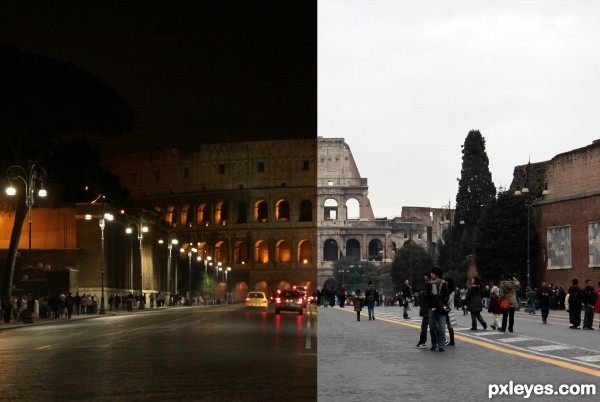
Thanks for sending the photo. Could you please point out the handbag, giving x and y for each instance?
(504, 303)
(444, 308)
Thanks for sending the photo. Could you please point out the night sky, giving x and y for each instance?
(193, 71)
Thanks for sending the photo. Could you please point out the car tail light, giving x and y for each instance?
(247, 299)
(300, 301)
(264, 299)
(278, 300)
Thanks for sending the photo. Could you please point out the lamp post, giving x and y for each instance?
(217, 269)
(141, 224)
(30, 176)
(170, 243)
(225, 271)
(102, 224)
(529, 201)
(190, 251)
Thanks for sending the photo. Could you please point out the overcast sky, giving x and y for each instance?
(405, 81)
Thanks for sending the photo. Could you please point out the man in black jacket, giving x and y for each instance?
(589, 300)
(437, 292)
(575, 304)
(406, 296)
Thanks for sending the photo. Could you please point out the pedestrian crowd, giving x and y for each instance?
(439, 299)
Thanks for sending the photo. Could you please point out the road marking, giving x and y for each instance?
(525, 353)
(547, 348)
(515, 339)
(595, 358)
(489, 333)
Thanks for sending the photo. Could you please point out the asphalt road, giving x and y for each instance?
(209, 353)
(378, 361)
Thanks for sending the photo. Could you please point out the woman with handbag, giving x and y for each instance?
(474, 303)
(359, 302)
(508, 288)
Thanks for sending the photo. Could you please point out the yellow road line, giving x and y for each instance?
(559, 363)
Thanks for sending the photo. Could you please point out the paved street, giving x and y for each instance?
(204, 353)
(377, 360)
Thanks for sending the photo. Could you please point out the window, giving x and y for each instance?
(221, 168)
(186, 172)
(261, 166)
(305, 165)
(157, 175)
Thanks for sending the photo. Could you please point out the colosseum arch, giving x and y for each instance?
(375, 250)
(261, 252)
(261, 286)
(185, 216)
(331, 210)
(240, 291)
(282, 211)
(203, 215)
(352, 209)
(221, 213)
(283, 252)
(330, 250)
(221, 251)
(305, 252)
(240, 252)
(353, 249)
(169, 215)
(261, 211)
(306, 211)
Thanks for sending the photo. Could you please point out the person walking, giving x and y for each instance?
(508, 289)
(544, 295)
(371, 298)
(531, 300)
(575, 304)
(494, 307)
(7, 306)
(359, 302)
(437, 293)
(474, 303)
(589, 301)
(406, 296)
(424, 314)
(342, 295)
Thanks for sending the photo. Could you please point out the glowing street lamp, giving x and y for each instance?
(102, 224)
(141, 223)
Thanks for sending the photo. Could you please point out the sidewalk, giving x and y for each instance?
(75, 317)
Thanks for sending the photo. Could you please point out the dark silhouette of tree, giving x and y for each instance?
(411, 262)
(43, 101)
(499, 238)
(475, 189)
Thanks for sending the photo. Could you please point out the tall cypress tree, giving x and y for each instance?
(475, 189)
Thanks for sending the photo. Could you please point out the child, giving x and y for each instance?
(494, 307)
(359, 301)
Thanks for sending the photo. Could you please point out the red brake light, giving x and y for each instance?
(277, 300)
(300, 301)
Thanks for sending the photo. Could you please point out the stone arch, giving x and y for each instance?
(261, 211)
(221, 213)
(375, 250)
(261, 252)
(352, 209)
(221, 251)
(353, 249)
(203, 215)
(185, 216)
(261, 286)
(240, 252)
(170, 212)
(330, 250)
(283, 252)
(282, 211)
(330, 206)
(240, 291)
(305, 252)
(283, 285)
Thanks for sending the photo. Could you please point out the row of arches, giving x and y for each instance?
(331, 209)
(220, 213)
(238, 251)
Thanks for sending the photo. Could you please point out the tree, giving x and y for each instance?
(42, 102)
(475, 189)
(499, 238)
(411, 262)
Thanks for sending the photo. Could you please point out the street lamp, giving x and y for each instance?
(217, 269)
(29, 177)
(449, 222)
(225, 271)
(171, 242)
(529, 200)
(190, 251)
(102, 223)
(141, 224)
